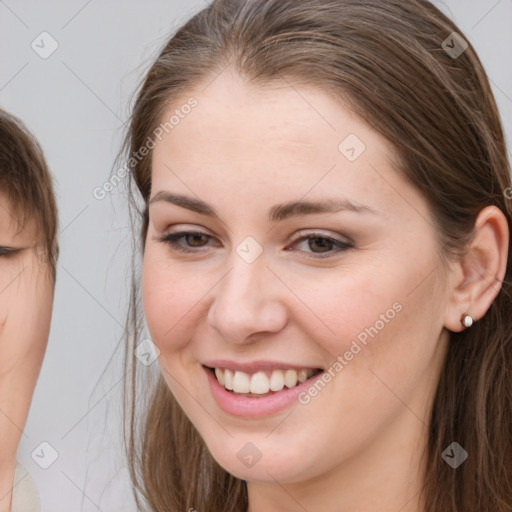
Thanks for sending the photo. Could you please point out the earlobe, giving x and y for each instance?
(480, 271)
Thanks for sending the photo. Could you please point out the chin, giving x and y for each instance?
(261, 460)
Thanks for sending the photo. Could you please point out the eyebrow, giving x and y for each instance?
(276, 213)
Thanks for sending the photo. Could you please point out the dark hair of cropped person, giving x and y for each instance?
(26, 183)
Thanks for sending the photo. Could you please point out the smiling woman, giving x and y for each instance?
(328, 223)
(28, 255)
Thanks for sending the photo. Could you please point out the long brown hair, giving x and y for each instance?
(27, 183)
(438, 111)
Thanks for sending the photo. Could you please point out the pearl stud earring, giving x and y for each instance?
(466, 320)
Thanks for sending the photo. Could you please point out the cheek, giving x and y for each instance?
(169, 298)
(376, 318)
(25, 317)
(346, 304)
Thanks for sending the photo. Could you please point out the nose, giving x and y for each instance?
(248, 301)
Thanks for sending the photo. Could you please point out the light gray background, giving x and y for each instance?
(76, 102)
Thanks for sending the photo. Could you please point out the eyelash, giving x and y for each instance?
(172, 241)
(5, 251)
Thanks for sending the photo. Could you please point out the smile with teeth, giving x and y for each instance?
(262, 383)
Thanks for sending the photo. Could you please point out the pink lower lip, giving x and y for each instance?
(254, 407)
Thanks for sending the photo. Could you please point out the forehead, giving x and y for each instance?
(282, 139)
(279, 115)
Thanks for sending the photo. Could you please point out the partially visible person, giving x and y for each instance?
(28, 255)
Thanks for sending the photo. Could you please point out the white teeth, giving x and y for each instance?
(277, 380)
(241, 382)
(220, 376)
(228, 379)
(259, 383)
(302, 375)
(290, 378)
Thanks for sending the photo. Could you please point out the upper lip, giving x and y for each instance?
(255, 366)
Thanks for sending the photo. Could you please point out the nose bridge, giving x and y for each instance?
(244, 281)
(245, 300)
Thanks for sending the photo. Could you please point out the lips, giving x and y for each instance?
(254, 405)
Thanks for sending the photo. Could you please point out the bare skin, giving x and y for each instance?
(356, 446)
(26, 296)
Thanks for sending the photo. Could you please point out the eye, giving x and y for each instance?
(194, 237)
(320, 245)
(323, 246)
(5, 251)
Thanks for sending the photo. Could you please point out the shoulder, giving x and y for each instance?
(25, 497)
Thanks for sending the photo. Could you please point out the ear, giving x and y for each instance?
(480, 272)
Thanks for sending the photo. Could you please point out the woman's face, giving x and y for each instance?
(26, 296)
(319, 256)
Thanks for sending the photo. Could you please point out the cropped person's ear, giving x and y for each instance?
(480, 272)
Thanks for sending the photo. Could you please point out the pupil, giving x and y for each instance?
(324, 243)
(196, 237)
